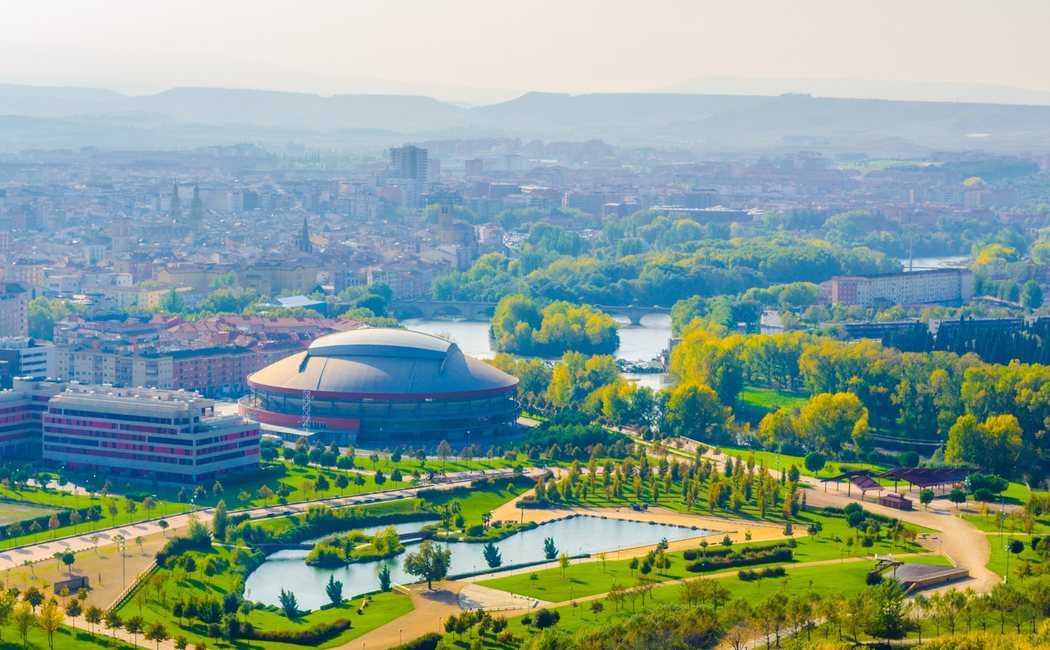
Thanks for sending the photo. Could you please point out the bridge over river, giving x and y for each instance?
(483, 310)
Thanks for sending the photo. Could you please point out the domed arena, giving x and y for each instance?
(384, 388)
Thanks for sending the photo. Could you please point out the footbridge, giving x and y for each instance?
(478, 310)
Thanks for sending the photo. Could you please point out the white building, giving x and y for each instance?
(915, 288)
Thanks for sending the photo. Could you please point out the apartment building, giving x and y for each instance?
(914, 288)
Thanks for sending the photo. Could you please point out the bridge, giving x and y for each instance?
(303, 546)
(478, 310)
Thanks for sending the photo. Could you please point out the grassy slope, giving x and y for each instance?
(157, 606)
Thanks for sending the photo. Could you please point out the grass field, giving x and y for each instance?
(845, 578)
(12, 512)
(753, 403)
(588, 578)
(66, 638)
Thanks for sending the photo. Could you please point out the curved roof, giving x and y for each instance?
(382, 362)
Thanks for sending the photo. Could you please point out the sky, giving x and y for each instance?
(491, 48)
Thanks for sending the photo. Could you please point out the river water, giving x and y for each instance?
(575, 536)
(637, 343)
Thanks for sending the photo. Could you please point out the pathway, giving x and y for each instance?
(84, 541)
(430, 610)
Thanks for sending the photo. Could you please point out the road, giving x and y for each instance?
(45, 550)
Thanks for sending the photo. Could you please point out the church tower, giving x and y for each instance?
(176, 204)
(196, 210)
(305, 246)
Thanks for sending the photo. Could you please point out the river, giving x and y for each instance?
(637, 342)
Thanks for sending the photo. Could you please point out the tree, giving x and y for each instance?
(289, 604)
(431, 562)
(221, 521)
(384, 578)
(334, 590)
(443, 452)
(134, 626)
(157, 633)
(926, 497)
(172, 302)
(545, 618)
(694, 411)
(68, 559)
(24, 618)
(815, 461)
(93, 615)
(7, 608)
(550, 551)
(492, 554)
(957, 496)
(1032, 295)
(886, 611)
(563, 562)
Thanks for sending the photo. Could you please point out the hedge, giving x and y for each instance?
(312, 636)
(428, 641)
(747, 575)
(783, 554)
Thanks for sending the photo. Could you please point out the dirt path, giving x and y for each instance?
(431, 609)
(964, 544)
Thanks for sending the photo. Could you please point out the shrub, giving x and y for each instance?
(475, 530)
(311, 636)
(428, 641)
(874, 578)
(760, 555)
(747, 575)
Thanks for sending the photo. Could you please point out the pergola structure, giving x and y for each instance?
(859, 478)
(927, 477)
(923, 477)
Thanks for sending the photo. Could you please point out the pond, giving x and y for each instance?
(575, 536)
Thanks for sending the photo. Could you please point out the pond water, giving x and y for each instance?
(575, 536)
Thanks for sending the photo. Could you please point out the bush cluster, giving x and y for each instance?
(747, 575)
(312, 636)
(743, 557)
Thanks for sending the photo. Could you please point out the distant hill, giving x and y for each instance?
(69, 117)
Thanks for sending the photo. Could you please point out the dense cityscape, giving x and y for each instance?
(632, 370)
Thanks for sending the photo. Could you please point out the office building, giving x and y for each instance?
(155, 434)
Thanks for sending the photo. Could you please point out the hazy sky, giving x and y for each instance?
(554, 45)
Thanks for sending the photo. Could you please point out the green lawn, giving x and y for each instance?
(477, 501)
(588, 578)
(11, 512)
(237, 492)
(66, 638)
(772, 460)
(1011, 523)
(753, 403)
(997, 561)
(166, 588)
(452, 464)
(30, 498)
(846, 578)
